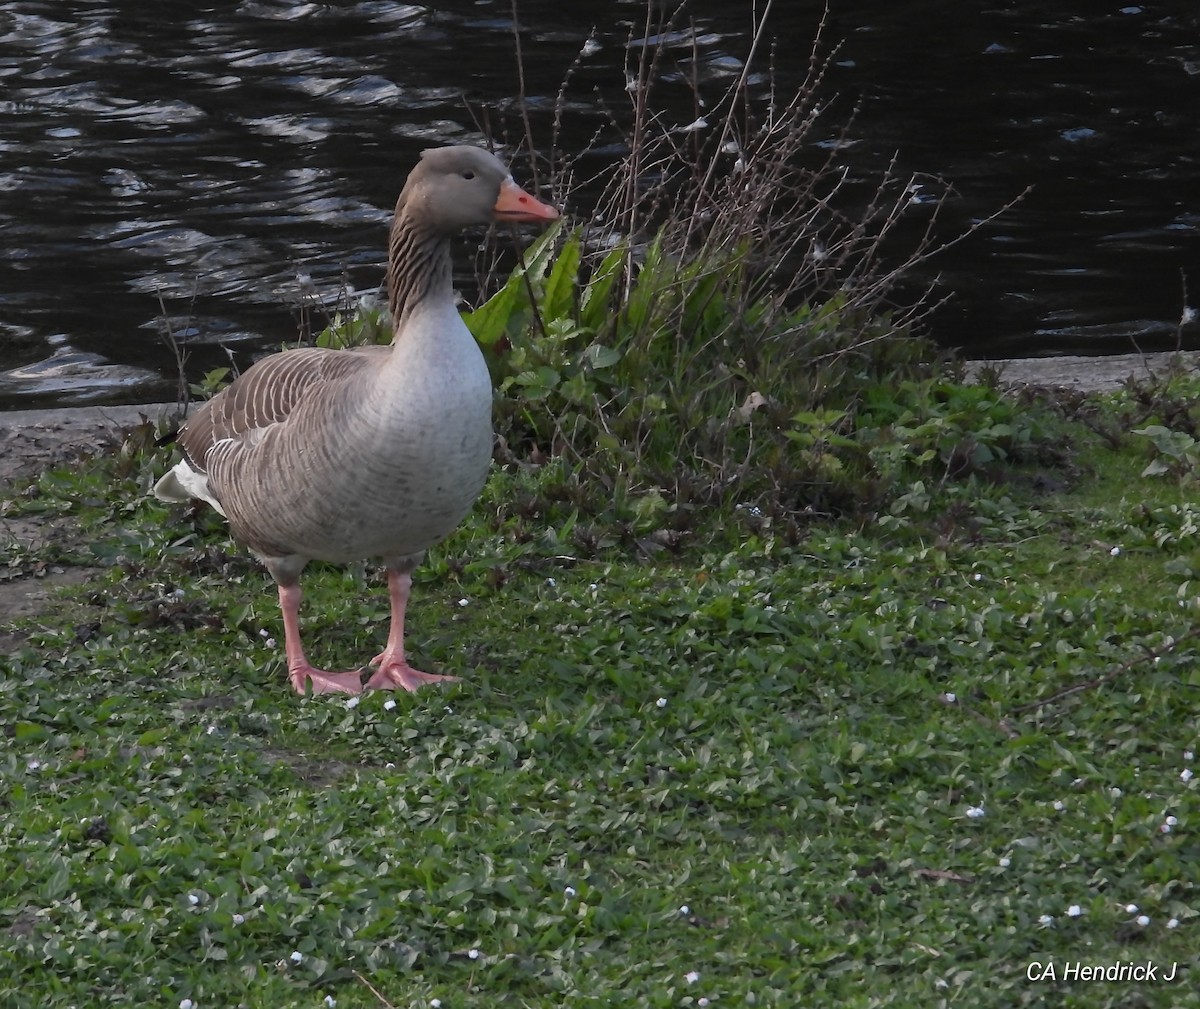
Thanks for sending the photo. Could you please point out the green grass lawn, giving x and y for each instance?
(841, 769)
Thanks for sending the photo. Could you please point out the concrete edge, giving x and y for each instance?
(1086, 374)
(89, 417)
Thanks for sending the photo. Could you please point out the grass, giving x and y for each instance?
(751, 762)
(794, 671)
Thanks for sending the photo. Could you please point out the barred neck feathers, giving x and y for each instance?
(419, 265)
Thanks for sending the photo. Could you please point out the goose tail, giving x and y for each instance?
(183, 483)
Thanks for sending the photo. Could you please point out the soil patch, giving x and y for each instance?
(31, 441)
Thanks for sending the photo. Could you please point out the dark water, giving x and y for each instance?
(221, 169)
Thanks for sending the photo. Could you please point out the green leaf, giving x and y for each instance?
(58, 882)
(599, 356)
(539, 383)
(508, 310)
(1176, 444)
(594, 306)
(558, 295)
(507, 307)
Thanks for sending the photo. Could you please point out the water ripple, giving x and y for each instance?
(216, 168)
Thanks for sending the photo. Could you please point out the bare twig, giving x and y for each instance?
(1077, 688)
(374, 991)
(182, 389)
(522, 101)
(1000, 726)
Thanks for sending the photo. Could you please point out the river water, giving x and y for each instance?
(219, 169)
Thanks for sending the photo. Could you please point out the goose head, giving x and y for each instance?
(453, 188)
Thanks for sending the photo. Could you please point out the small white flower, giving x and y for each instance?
(593, 587)
(701, 1001)
(684, 909)
(951, 698)
(389, 766)
(330, 1001)
(238, 919)
(263, 633)
(1171, 821)
(474, 954)
(1059, 805)
(1188, 755)
(1115, 792)
(1173, 923)
(1074, 911)
(389, 704)
(976, 812)
(692, 976)
(551, 582)
(464, 601)
(193, 899)
(1143, 920)
(186, 1003)
(1005, 862)
(978, 576)
(352, 702)
(1131, 909)
(297, 956)
(270, 642)
(1115, 552)
(210, 730)
(1046, 920)
(33, 765)
(1164, 828)
(435, 1003)
(569, 891)
(1186, 775)
(661, 702)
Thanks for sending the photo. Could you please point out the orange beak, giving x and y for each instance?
(514, 204)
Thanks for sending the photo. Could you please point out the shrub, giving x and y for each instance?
(718, 332)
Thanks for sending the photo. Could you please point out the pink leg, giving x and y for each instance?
(300, 672)
(394, 670)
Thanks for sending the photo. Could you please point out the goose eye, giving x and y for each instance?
(468, 175)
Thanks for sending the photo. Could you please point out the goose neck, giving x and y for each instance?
(419, 267)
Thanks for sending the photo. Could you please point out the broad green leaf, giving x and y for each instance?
(491, 320)
(594, 306)
(599, 356)
(25, 732)
(558, 295)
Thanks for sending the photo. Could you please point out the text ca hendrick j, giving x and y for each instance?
(1144, 971)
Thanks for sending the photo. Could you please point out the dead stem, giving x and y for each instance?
(1077, 688)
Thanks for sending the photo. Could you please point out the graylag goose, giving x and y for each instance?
(374, 452)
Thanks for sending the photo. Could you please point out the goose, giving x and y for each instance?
(371, 452)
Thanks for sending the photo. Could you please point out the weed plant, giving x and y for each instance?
(716, 333)
(909, 709)
(895, 765)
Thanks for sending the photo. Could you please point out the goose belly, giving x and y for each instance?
(406, 496)
(405, 505)
(387, 476)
